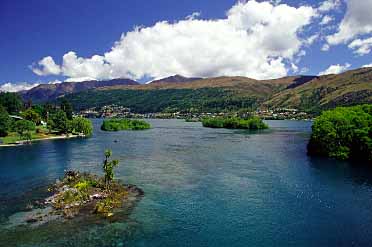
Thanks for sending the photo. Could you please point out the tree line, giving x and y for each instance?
(25, 118)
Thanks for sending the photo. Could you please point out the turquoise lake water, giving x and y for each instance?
(203, 187)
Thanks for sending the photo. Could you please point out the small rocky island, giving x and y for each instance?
(84, 194)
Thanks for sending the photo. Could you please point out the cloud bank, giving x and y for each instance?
(250, 41)
(335, 69)
(16, 87)
(21, 86)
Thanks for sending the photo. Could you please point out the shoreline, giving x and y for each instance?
(24, 142)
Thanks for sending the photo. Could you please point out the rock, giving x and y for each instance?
(97, 196)
(31, 220)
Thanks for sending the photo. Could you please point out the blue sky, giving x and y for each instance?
(89, 39)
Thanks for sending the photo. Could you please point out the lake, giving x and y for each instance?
(203, 187)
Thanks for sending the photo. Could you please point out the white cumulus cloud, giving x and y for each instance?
(16, 87)
(326, 20)
(357, 21)
(329, 5)
(367, 66)
(47, 66)
(361, 46)
(256, 39)
(335, 69)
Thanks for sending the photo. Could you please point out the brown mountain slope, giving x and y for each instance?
(175, 79)
(349, 88)
(241, 86)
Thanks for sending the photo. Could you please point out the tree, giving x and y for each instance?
(82, 125)
(24, 128)
(39, 109)
(108, 168)
(31, 115)
(48, 109)
(5, 122)
(12, 102)
(50, 125)
(60, 122)
(343, 133)
(67, 108)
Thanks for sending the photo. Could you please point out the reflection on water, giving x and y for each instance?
(203, 187)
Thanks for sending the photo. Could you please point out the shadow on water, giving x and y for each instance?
(358, 172)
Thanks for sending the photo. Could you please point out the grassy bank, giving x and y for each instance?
(39, 133)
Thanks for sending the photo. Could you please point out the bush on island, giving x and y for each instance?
(252, 123)
(343, 133)
(117, 124)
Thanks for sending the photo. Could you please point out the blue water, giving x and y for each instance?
(203, 187)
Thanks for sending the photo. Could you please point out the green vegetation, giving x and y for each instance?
(82, 125)
(343, 133)
(82, 193)
(39, 133)
(24, 129)
(59, 122)
(108, 168)
(30, 123)
(166, 100)
(192, 120)
(116, 124)
(5, 122)
(67, 108)
(252, 123)
(12, 102)
(31, 115)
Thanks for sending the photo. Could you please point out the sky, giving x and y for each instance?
(46, 41)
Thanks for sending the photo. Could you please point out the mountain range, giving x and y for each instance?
(49, 92)
(308, 93)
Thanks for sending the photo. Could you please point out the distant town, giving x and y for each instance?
(116, 111)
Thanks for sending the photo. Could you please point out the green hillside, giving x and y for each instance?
(164, 100)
